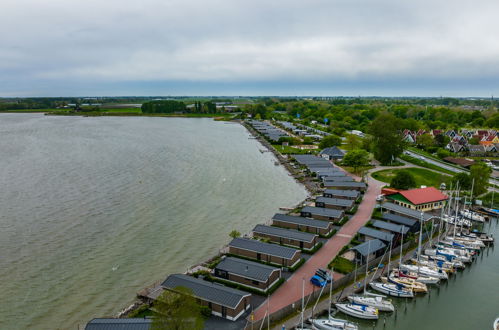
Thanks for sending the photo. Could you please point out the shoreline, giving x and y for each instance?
(309, 186)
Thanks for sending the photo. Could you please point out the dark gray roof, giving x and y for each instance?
(399, 219)
(322, 211)
(333, 152)
(266, 248)
(335, 201)
(369, 247)
(311, 160)
(394, 228)
(329, 172)
(301, 221)
(119, 324)
(382, 235)
(213, 292)
(246, 268)
(345, 193)
(345, 184)
(285, 233)
(406, 211)
(342, 178)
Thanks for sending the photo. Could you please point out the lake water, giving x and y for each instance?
(94, 209)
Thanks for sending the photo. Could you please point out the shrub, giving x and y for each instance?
(205, 312)
(341, 265)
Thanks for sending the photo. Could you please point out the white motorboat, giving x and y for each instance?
(333, 324)
(426, 271)
(360, 311)
(415, 276)
(373, 300)
(496, 324)
(392, 290)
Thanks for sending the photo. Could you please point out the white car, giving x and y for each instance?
(422, 158)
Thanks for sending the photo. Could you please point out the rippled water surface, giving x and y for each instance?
(94, 209)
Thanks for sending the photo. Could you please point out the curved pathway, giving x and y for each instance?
(291, 290)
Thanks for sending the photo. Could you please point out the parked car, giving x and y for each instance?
(318, 281)
(422, 158)
(379, 198)
(443, 186)
(324, 274)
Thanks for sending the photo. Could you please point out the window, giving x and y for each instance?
(255, 282)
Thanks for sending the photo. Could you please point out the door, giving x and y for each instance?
(224, 311)
(301, 245)
(258, 256)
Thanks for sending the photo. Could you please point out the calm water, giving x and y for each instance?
(468, 301)
(94, 209)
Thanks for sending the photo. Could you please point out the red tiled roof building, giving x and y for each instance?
(421, 199)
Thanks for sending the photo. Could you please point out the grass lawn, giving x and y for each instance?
(289, 150)
(422, 176)
(342, 265)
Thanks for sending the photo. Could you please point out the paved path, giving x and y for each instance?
(290, 291)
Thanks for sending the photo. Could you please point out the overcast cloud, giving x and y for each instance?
(308, 47)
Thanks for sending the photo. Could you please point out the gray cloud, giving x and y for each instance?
(46, 47)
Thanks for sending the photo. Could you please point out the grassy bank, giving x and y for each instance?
(421, 176)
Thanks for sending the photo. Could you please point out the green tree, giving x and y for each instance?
(234, 234)
(425, 141)
(442, 140)
(353, 142)
(480, 173)
(356, 158)
(403, 180)
(387, 141)
(474, 141)
(330, 141)
(464, 180)
(177, 310)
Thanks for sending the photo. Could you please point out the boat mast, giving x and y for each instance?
(457, 208)
(367, 264)
(420, 239)
(330, 294)
(302, 300)
(389, 258)
(401, 245)
(440, 225)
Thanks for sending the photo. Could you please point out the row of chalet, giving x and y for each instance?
(396, 222)
(301, 131)
(269, 131)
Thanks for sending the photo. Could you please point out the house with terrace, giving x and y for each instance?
(248, 273)
(321, 213)
(119, 324)
(264, 252)
(225, 302)
(342, 194)
(334, 203)
(288, 237)
(314, 226)
(345, 185)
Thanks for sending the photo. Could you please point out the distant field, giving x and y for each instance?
(422, 176)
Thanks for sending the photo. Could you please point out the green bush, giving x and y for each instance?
(353, 210)
(142, 311)
(205, 312)
(343, 221)
(341, 265)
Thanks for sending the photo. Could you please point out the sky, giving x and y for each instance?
(239, 47)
